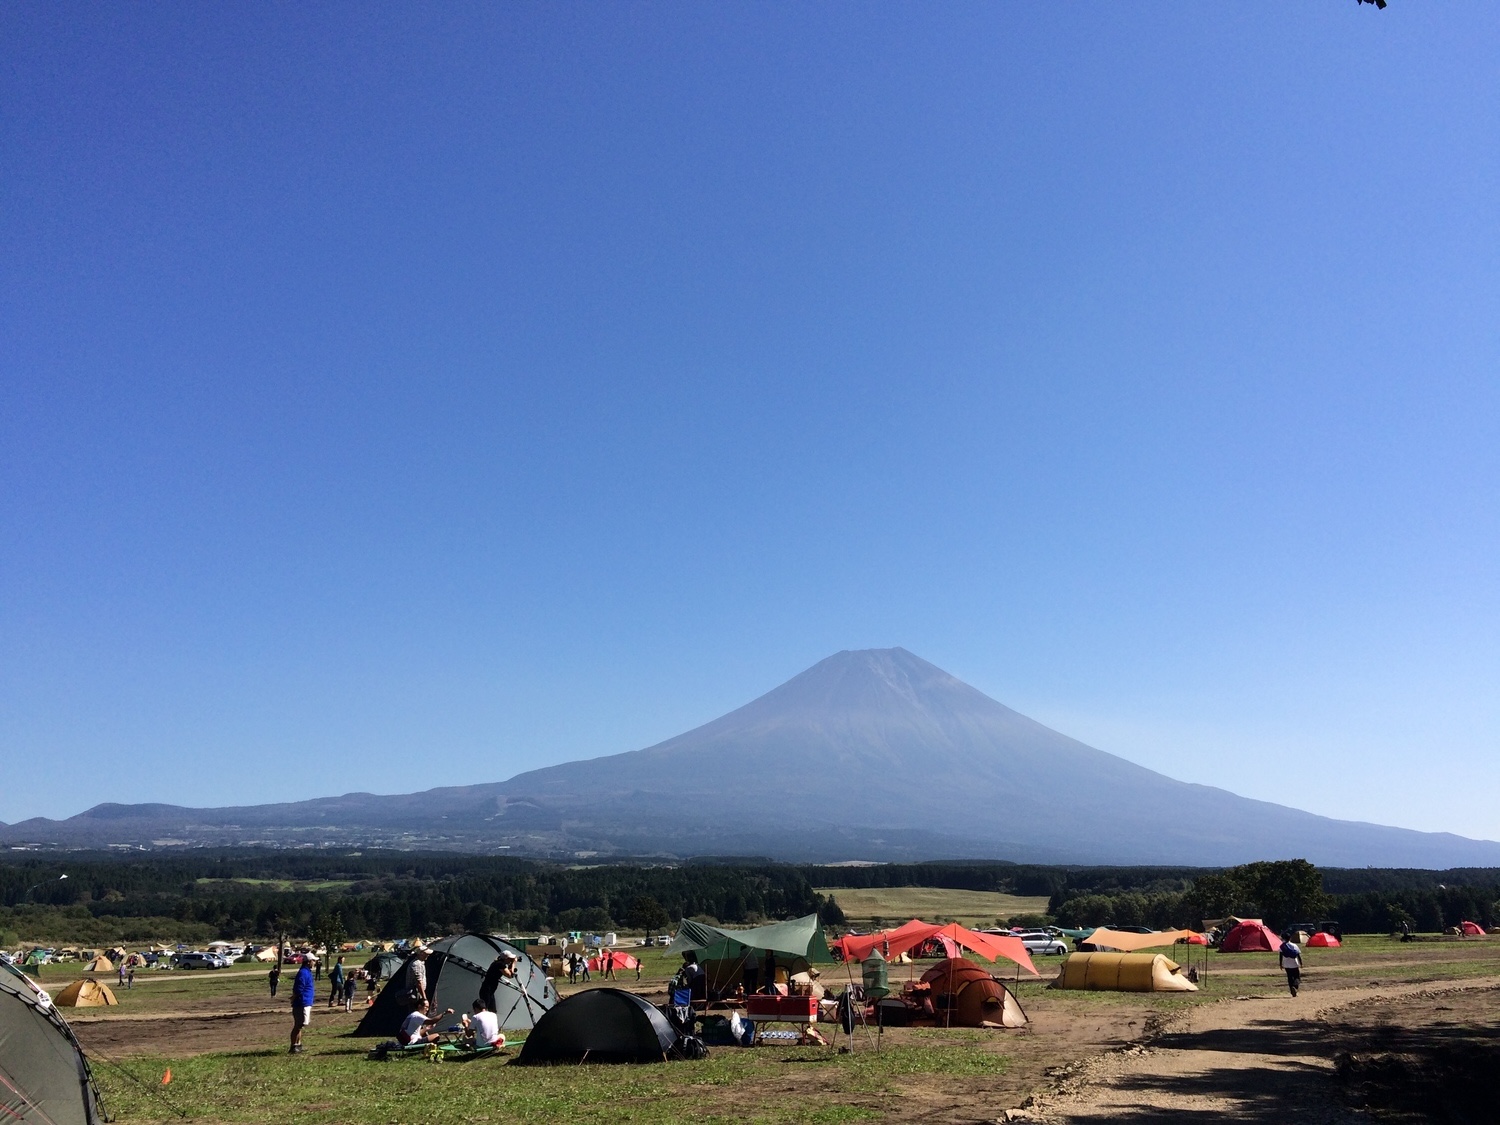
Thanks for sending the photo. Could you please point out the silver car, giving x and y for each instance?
(1040, 941)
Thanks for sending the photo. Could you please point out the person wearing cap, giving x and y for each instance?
(416, 975)
(500, 968)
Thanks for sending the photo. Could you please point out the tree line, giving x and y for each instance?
(258, 893)
(391, 895)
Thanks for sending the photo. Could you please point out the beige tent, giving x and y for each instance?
(268, 954)
(86, 994)
(1122, 972)
(100, 964)
(1125, 941)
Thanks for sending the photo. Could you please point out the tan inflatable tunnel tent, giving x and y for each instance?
(1122, 972)
(85, 993)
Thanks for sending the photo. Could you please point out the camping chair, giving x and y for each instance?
(679, 1012)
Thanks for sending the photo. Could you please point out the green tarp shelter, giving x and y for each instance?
(797, 937)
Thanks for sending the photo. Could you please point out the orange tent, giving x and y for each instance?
(968, 996)
(893, 943)
(1320, 940)
(1471, 929)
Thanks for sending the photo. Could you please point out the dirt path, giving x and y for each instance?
(1246, 1060)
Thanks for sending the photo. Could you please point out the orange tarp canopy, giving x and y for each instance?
(1127, 942)
(893, 943)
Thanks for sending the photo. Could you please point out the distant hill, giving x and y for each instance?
(927, 766)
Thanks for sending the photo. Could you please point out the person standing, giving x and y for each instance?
(303, 994)
(275, 976)
(1290, 955)
(130, 978)
(336, 982)
(500, 968)
(608, 957)
(416, 976)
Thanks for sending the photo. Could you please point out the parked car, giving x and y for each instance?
(197, 960)
(1040, 941)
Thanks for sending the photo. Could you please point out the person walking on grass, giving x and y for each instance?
(275, 977)
(303, 995)
(1290, 956)
(351, 985)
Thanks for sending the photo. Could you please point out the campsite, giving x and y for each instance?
(222, 1039)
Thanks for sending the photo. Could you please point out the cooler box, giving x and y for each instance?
(793, 1009)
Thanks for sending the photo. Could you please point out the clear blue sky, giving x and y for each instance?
(393, 398)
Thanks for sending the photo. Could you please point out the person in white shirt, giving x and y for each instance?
(484, 1028)
(1291, 962)
(414, 1027)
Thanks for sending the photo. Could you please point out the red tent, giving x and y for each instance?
(1252, 936)
(1321, 940)
(1195, 939)
(620, 961)
(1471, 929)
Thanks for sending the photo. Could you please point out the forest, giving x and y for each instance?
(199, 894)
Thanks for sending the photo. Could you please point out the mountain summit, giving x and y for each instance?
(872, 754)
(883, 743)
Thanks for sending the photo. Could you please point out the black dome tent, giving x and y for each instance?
(44, 1079)
(455, 971)
(607, 1025)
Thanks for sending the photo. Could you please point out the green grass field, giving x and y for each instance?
(898, 904)
(285, 884)
(335, 1084)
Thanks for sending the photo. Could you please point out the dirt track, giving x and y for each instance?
(1270, 1060)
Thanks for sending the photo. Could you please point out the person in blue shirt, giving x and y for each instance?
(302, 1004)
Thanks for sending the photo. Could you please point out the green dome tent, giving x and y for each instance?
(605, 1025)
(44, 1078)
(455, 972)
(383, 966)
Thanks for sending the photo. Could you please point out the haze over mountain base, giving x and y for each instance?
(931, 768)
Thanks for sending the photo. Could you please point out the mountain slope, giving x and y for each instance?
(927, 766)
(924, 751)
